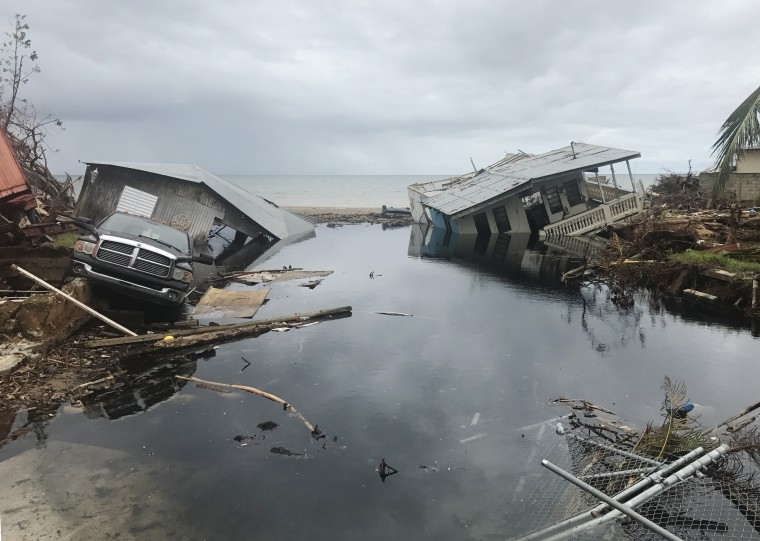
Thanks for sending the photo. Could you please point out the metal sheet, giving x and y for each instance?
(230, 303)
(12, 179)
(512, 176)
(269, 216)
(134, 201)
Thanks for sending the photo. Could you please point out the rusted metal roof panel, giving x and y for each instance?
(12, 179)
(512, 176)
(278, 222)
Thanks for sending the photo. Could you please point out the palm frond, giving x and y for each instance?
(740, 130)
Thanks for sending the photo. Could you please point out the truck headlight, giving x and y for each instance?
(182, 275)
(84, 247)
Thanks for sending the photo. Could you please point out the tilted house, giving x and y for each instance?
(548, 193)
(185, 196)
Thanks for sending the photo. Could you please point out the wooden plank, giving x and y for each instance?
(143, 338)
(230, 303)
(718, 274)
(700, 295)
(281, 276)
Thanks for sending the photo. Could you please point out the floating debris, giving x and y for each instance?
(385, 470)
(267, 425)
(283, 451)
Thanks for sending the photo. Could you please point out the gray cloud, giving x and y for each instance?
(393, 87)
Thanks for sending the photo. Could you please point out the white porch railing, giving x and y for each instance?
(595, 218)
(610, 192)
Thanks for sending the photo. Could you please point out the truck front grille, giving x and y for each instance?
(153, 263)
(139, 259)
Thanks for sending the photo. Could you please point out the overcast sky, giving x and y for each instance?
(393, 87)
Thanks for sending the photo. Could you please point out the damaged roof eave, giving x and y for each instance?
(535, 186)
(275, 221)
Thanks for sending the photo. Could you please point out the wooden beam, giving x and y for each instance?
(145, 338)
(68, 297)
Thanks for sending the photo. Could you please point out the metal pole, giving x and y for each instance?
(614, 180)
(672, 480)
(68, 297)
(598, 183)
(609, 501)
(616, 451)
(620, 496)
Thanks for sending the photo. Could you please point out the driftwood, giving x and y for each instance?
(254, 390)
(148, 338)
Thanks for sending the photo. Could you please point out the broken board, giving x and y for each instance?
(230, 303)
(281, 276)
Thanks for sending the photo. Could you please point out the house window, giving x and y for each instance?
(552, 197)
(573, 192)
(501, 219)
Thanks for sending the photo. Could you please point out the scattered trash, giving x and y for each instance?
(247, 363)
(385, 470)
(92, 386)
(475, 419)
(267, 425)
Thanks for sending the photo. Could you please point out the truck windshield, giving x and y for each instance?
(140, 227)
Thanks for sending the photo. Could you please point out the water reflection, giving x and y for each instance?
(509, 254)
(445, 396)
(138, 390)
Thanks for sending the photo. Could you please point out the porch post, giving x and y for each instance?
(639, 198)
(598, 183)
(614, 180)
(630, 175)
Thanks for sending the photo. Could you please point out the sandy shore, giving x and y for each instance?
(347, 215)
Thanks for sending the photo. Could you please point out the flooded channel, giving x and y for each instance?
(447, 397)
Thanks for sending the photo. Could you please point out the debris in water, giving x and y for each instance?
(283, 451)
(394, 314)
(212, 387)
(267, 425)
(385, 470)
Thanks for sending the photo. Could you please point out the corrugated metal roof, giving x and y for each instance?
(280, 223)
(12, 179)
(512, 176)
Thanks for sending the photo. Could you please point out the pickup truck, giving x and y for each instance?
(136, 256)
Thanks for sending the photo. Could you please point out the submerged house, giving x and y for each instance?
(187, 197)
(554, 194)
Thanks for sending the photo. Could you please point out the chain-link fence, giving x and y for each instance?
(708, 493)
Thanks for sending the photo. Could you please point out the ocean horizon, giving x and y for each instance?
(347, 191)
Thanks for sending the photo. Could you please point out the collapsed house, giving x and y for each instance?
(188, 198)
(552, 194)
(16, 199)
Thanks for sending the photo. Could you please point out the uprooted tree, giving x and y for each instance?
(25, 127)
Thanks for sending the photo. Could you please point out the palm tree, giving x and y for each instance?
(740, 130)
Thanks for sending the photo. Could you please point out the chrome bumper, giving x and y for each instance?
(165, 295)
